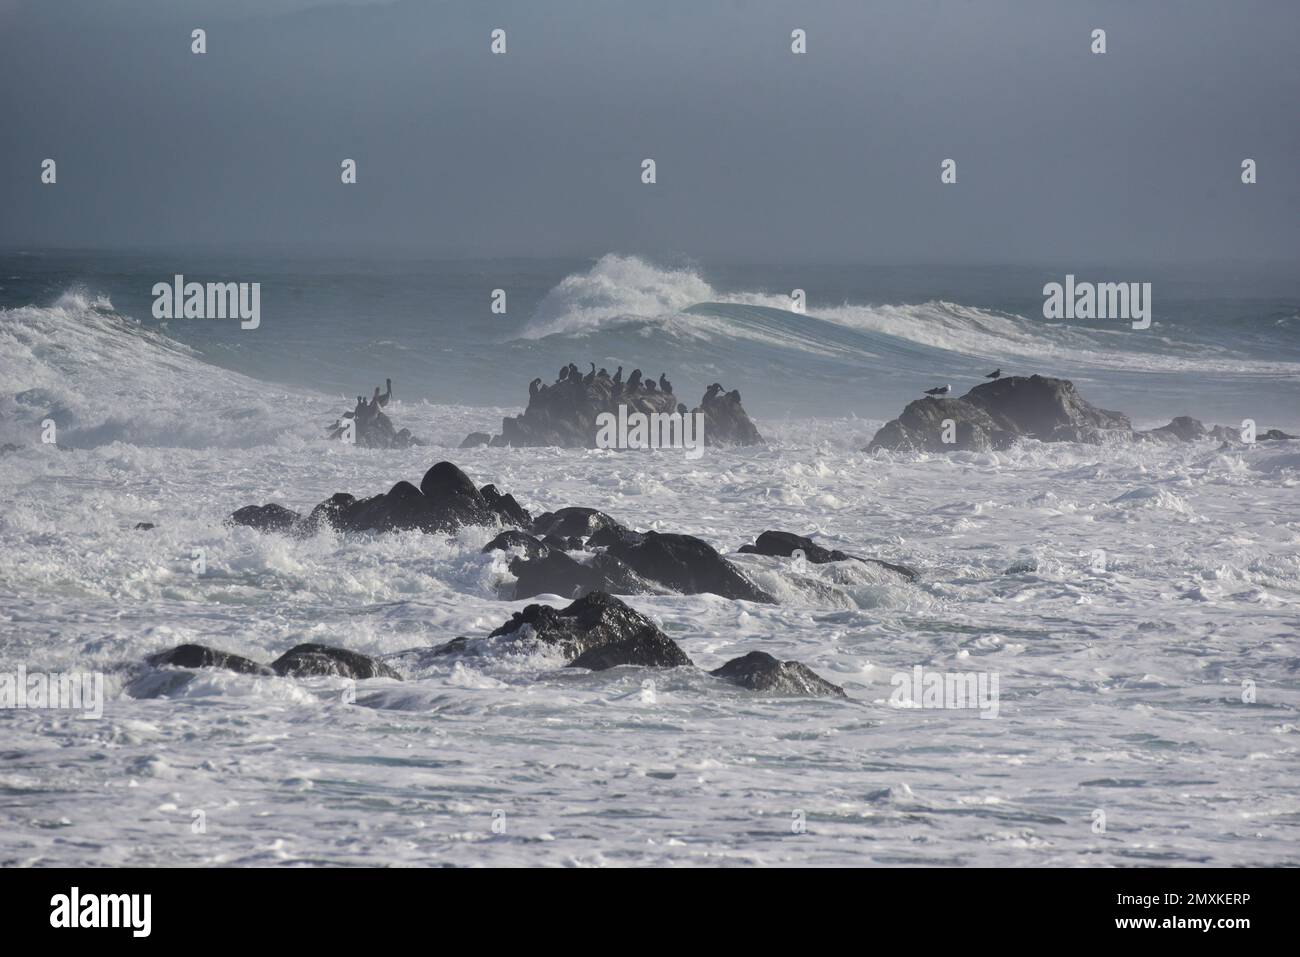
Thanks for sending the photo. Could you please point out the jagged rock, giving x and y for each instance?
(311, 660)
(266, 518)
(510, 511)
(725, 420)
(597, 631)
(200, 656)
(784, 544)
(475, 440)
(759, 671)
(573, 522)
(687, 565)
(994, 414)
(565, 413)
(371, 429)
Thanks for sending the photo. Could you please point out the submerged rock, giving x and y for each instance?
(784, 544)
(265, 518)
(312, 660)
(512, 539)
(201, 656)
(759, 671)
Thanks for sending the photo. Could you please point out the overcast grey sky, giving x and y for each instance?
(762, 155)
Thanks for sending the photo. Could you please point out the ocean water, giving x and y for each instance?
(1121, 685)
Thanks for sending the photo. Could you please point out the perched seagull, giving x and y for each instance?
(995, 374)
(941, 390)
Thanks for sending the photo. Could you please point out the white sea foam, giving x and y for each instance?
(1121, 684)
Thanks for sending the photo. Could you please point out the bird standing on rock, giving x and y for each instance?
(941, 390)
(633, 381)
(995, 374)
(664, 384)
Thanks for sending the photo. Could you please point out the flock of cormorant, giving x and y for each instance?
(571, 377)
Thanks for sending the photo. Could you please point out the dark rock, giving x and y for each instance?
(994, 414)
(445, 482)
(266, 518)
(598, 631)
(311, 660)
(328, 512)
(604, 537)
(475, 440)
(1273, 435)
(571, 522)
(372, 430)
(784, 544)
(1182, 429)
(566, 413)
(401, 508)
(759, 671)
(199, 656)
(445, 501)
(144, 526)
(509, 511)
(512, 539)
(725, 420)
(555, 573)
(456, 646)
(687, 565)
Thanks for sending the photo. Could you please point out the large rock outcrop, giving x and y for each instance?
(994, 414)
(566, 413)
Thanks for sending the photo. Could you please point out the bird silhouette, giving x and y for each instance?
(664, 384)
(941, 390)
(995, 374)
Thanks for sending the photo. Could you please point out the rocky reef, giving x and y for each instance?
(596, 632)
